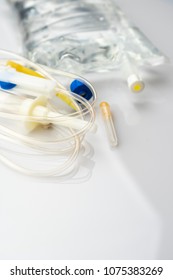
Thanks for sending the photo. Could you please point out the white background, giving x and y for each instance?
(119, 205)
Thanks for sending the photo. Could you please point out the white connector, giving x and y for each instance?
(31, 83)
(130, 73)
(135, 83)
(40, 113)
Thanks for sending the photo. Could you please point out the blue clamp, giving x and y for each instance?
(81, 89)
(6, 86)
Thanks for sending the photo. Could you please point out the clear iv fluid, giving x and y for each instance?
(82, 35)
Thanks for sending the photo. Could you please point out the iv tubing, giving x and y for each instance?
(73, 137)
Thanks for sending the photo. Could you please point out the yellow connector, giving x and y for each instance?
(28, 71)
(23, 69)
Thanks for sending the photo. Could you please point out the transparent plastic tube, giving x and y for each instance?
(65, 143)
(109, 125)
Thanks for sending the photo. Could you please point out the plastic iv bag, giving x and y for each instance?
(83, 35)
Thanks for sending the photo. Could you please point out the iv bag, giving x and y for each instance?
(83, 35)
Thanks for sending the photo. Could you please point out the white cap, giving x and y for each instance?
(135, 83)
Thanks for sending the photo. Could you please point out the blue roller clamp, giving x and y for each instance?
(81, 89)
(6, 86)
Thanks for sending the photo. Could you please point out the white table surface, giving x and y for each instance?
(119, 205)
